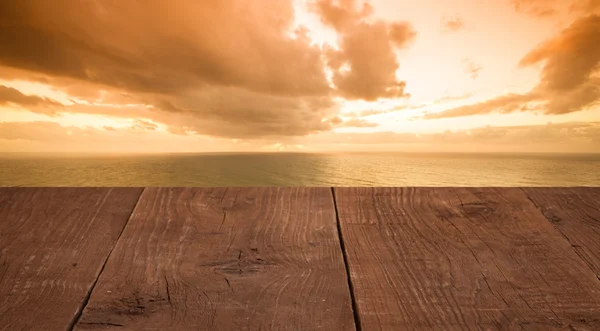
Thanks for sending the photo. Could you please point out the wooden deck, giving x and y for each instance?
(299, 259)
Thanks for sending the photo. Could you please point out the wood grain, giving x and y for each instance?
(575, 212)
(462, 258)
(53, 244)
(225, 259)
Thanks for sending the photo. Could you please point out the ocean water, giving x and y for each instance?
(289, 169)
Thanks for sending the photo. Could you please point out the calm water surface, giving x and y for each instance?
(351, 169)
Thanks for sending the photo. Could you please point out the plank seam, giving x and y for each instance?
(561, 233)
(86, 300)
(346, 264)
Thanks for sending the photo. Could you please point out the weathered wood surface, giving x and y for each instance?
(225, 259)
(464, 258)
(53, 244)
(270, 258)
(575, 212)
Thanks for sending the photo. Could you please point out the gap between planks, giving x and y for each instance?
(356, 318)
(86, 300)
(346, 264)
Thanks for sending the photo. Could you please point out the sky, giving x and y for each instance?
(300, 75)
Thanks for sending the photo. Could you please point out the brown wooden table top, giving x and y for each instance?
(299, 258)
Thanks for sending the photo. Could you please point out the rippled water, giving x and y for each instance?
(349, 169)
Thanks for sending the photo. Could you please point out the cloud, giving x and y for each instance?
(570, 77)
(471, 68)
(398, 108)
(154, 46)
(371, 112)
(13, 97)
(449, 98)
(452, 24)
(364, 66)
(549, 8)
(43, 136)
(539, 8)
(144, 126)
(507, 103)
(401, 33)
(237, 69)
(357, 123)
(586, 6)
(220, 112)
(571, 57)
(38, 131)
(239, 113)
(561, 137)
(569, 80)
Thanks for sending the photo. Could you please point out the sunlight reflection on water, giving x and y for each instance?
(348, 169)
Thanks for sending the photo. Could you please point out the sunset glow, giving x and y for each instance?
(300, 75)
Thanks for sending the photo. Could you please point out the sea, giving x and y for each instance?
(300, 169)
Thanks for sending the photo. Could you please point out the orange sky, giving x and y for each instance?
(300, 75)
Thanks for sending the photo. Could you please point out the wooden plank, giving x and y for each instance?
(225, 259)
(53, 244)
(574, 212)
(445, 259)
